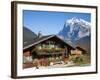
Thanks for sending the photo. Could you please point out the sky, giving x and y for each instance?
(49, 22)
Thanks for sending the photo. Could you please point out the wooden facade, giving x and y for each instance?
(46, 52)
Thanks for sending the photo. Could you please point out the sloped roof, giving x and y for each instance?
(80, 48)
(37, 40)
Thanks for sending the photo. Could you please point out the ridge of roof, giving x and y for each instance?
(38, 40)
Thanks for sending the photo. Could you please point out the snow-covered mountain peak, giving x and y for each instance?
(79, 21)
(75, 29)
(72, 21)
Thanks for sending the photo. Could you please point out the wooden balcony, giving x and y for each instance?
(47, 51)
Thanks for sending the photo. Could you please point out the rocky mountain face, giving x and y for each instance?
(76, 32)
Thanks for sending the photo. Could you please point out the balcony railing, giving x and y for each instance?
(49, 51)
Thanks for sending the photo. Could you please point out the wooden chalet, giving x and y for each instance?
(43, 50)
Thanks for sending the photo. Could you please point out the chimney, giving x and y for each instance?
(39, 34)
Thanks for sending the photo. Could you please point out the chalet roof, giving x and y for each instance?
(37, 40)
(80, 48)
